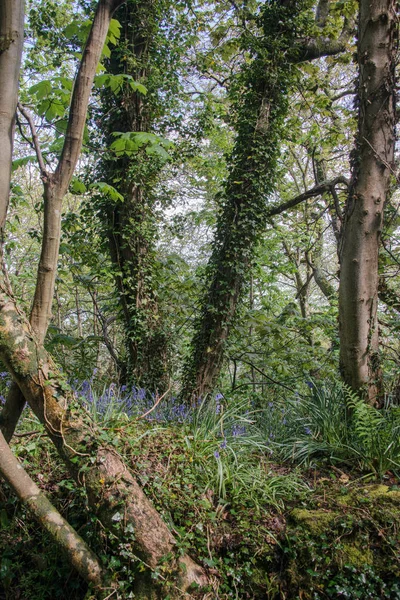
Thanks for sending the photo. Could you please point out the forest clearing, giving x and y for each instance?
(199, 300)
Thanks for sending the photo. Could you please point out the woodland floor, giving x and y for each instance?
(322, 532)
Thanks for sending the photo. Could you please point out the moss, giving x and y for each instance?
(354, 556)
(382, 492)
(316, 521)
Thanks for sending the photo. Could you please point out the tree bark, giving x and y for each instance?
(55, 187)
(11, 43)
(130, 225)
(80, 556)
(113, 493)
(373, 162)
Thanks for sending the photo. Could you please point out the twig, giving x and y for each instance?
(156, 404)
(28, 433)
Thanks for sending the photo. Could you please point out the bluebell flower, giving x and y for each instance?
(223, 444)
(238, 430)
(3, 374)
(216, 454)
(310, 384)
(270, 404)
(218, 396)
(308, 430)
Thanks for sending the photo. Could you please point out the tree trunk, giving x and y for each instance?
(130, 225)
(55, 187)
(373, 162)
(11, 43)
(80, 556)
(113, 493)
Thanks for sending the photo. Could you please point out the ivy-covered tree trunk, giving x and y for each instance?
(259, 102)
(373, 163)
(130, 222)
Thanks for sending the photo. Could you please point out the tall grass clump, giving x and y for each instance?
(232, 452)
(333, 424)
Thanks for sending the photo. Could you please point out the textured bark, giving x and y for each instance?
(112, 491)
(131, 228)
(80, 556)
(11, 43)
(55, 187)
(373, 162)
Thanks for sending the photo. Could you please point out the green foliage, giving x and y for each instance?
(127, 144)
(335, 425)
(228, 432)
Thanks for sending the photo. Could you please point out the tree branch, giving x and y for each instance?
(315, 191)
(35, 140)
(82, 90)
(79, 554)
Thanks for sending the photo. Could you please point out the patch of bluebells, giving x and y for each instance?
(5, 382)
(132, 401)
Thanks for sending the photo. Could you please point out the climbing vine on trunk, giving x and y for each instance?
(259, 96)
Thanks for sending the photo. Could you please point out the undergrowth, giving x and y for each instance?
(223, 475)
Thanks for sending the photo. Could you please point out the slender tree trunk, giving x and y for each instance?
(373, 162)
(55, 187)
(11, 43)
(80, 556)
(111, 489)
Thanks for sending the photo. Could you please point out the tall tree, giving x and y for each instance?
(131, 109)
(260, 102)
(372, 170)
(55, 186)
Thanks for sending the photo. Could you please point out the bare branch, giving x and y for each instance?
(35, 140)
(315, 191)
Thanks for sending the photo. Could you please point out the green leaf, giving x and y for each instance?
(108, 190)
(41, 89)
(77, 186)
